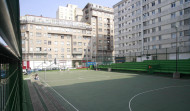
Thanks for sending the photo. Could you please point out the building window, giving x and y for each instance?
(159, 10)
(153, 30)
(68, 37)
(145, 40)
(38, 34)
(62, 43)
(56, 50)
(38, 56)
(173, 45)
(153, 21)
(154, 47)
(173, 25)
(49, 49)
(68, 43)
(159, 28)
(38, 49)
(49, 35)
(68, 50)
(187, 33)
(49, 56)
(62, 36)
(159, 1)
(68, 56)
(187, 10)
(55, 42)
(49, 42)
(181, 1)
(187, 21)
(160, 46)
(153, 12)
(159, 19)
(38, 42)
(38, 27)
(132, 5)
(100, 30)
(181, 12)
(62, 55)
(187, 0)
(153, 38)
(172, 5)
(153, 3)
(173, 35)
(45, 41)
(56, 55)
(180, 33)
(62, 49)
(181, 23)
(160, 37)
(173, 15)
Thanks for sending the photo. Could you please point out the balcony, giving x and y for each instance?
(77, 52)
(35, 52)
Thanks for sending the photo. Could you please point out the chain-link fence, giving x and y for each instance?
(155, 54)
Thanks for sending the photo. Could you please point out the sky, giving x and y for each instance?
(48, 8)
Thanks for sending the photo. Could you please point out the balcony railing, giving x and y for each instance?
(77, 52)
(34, 52)
(52, 21)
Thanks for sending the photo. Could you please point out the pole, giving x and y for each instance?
(87, 58)
(130, 57)
(166, 54)
(102, 52)
(45, 75)
(176, 75)
(135, 57)
(176, 49)
(156, 55)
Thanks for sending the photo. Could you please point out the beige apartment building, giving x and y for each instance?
(72, 43)
(70, 12)
(46, 39)
(102, 21)
(152, 27)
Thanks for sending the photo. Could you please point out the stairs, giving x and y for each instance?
(42, 99)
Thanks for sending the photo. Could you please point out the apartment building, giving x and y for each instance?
(70, 12)
(147, 27)
(45, 40)
(101, 19)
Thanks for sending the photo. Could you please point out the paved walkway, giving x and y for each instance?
(42, 99)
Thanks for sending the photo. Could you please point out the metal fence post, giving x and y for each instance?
(156, 55)
(166, 54)
(135, 57)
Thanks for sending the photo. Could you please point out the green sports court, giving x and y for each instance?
(89, 90)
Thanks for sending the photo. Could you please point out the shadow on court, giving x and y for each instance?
(104, 91)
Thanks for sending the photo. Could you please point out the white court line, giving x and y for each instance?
(61, 96)
(153, 91)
